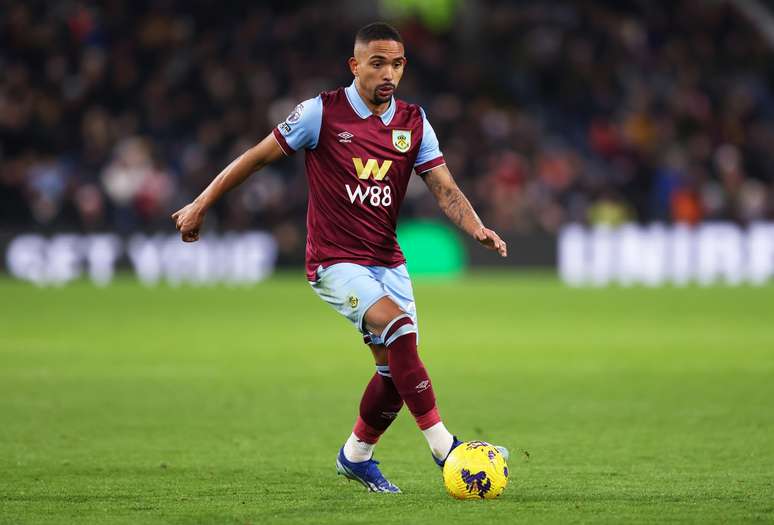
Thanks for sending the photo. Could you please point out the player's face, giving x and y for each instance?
(378, 67)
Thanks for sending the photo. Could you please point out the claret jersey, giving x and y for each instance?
(358, 166)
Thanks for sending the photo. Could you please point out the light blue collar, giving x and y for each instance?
(360, 107)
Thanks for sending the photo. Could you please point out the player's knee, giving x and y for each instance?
(400, 326)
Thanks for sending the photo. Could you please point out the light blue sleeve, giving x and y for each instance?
(429, 148)
(301, 129)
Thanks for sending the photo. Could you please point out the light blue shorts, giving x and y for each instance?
(352, 289)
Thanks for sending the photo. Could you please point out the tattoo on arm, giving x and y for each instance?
(454, 204)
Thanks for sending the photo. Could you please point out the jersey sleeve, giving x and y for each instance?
(430, 155)
(301, 129)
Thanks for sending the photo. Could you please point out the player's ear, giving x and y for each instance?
(352, 65)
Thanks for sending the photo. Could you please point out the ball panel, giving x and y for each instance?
(475, 470)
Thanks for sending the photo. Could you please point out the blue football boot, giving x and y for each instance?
(365, 472)
(456, 443)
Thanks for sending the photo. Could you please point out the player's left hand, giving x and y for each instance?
(491, 240)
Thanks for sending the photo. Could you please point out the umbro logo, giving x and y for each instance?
(422, 386)
(345, 136)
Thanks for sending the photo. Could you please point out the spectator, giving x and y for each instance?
(113, 114)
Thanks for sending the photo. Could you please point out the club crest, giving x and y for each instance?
(401, 139)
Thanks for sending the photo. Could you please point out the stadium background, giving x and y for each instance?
(551, 115)
(113, 114)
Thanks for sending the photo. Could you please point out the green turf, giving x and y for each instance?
(218, 405)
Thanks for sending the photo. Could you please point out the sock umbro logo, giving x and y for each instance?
(423, 385)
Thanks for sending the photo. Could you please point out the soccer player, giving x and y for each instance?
(361, 146)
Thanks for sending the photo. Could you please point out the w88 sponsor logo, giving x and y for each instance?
(374, 195)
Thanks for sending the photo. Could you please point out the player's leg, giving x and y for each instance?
(379, 407)
(397, 283)
(397, 330)
(351, 289)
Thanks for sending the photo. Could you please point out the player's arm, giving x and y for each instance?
(459, 210)
(189, 219)
(299, 131)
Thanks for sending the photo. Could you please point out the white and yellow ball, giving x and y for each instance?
(475, 470)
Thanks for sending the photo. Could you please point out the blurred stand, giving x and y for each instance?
(114, 114)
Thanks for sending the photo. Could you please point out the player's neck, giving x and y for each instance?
(377, 110)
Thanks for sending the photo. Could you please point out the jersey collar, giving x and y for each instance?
(360, 107)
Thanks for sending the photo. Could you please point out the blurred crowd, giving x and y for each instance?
(115, 113)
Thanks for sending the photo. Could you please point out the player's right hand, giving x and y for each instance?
(188, 220)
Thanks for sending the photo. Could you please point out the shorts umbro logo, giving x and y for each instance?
(345, 136)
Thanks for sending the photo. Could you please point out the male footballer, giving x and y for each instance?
(361, 146)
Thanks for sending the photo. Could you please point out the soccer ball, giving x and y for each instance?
(475, 469)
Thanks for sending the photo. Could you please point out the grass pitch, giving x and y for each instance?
(217, 405)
